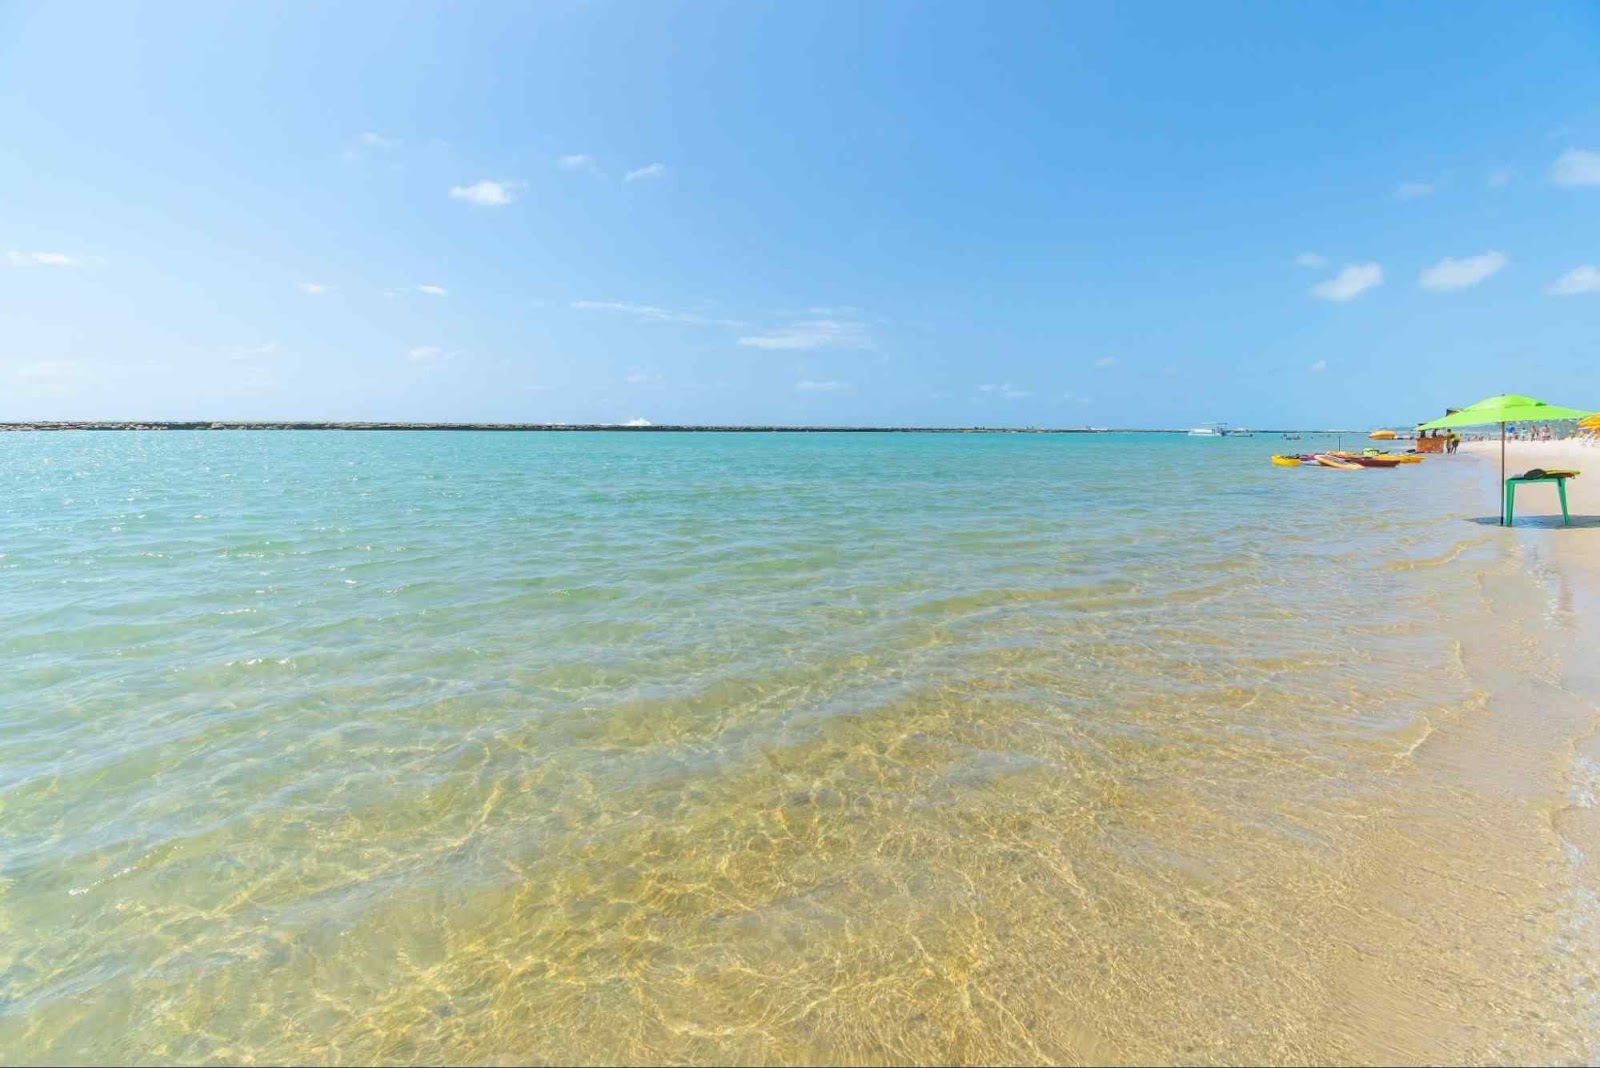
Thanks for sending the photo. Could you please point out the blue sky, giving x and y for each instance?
(1001, 214)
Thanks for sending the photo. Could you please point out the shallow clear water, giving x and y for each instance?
(343, 747)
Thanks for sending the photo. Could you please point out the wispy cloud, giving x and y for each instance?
(250, 352)
(426, 354)
(433, 291)
(806, 385)
(1584, 279)
(638, 422)
(1349, 283)
(1460, 274)
(654, 170)
(314, 289)
(651, 313)
(42, 259)
(1311, 260)
(1501, 177)
(52, 372)
(1413, 190)
(812, 334)
(1003, 389)
(369, 144)
(639, 377)
(1319, 367)
(487, 193)
(578, 161)
(1106, 361)
(1576, 166)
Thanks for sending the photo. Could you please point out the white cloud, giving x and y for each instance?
(1320, 366)
(1311, 260)
(638, 422)
(314, 289)
(42, 259)
(1413, 190)
(651, 313)
(425, 354)
(806, 385)
(1349, 283)
(487, 193)
(1460, 274)
(812, 334)
(641, 378)
(1584, 279)
(433, 291)
(578, 161)
(1004, 389)
(654, 170)
(1576, 166)
(1501, 177)
(1106, 361)
(372, 140)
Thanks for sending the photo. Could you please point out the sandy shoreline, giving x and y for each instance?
(1583, 492)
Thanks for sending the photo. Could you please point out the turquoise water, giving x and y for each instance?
(343, 747)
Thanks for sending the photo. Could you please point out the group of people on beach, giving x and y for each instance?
(1451, 441)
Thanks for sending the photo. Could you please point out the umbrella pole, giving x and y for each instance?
(1502, 474)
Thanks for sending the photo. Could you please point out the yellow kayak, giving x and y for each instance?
(1333, 461)
(1286, 461)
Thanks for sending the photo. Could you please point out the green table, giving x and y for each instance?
(1561, 491)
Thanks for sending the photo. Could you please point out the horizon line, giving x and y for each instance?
(15, 426)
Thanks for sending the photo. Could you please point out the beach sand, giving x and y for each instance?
(1566, 558)
(1583, 492)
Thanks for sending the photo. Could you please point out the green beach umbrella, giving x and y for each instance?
(1506, 408)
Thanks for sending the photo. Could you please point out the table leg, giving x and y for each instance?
(1561, 488)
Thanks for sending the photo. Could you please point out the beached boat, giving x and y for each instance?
(1333, 461)
(1374, 458)
(1286, 461)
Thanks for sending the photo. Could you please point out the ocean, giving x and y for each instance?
(582, 748)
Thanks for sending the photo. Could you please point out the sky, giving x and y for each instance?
(893, 213)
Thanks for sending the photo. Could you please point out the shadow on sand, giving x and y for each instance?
(1544, 522)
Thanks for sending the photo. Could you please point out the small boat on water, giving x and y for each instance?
(1210, 430)
(1325, 460)
(1286, 461)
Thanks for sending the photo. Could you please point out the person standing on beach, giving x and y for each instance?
(1452, 443)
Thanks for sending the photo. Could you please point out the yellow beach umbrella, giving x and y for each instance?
(1381, 435)
(1591, 423)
